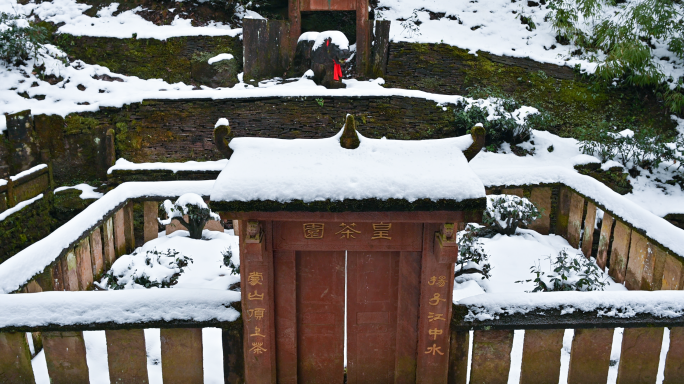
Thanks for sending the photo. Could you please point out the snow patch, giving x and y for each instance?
(197, 166)
(220, 57)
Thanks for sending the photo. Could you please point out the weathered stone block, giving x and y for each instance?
(491, 357)
(639, 251)
(151, 214)
(674, 363)
(575, 219)
(563, 211)
(458, 357)
(70, 272)
(541, 197)
(541, 355)
(97, 258)
(15, 359)
(85, 266)
(672, 273)
(108, 242)
(604, 240)
(653, 271)
(589, 223)
(126, 356)
(620, 252)
(640, 355)
(120, 232)
(590, 356)
(129, 231)
(181, 350)
(65, 355)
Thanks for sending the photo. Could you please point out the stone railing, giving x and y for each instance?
(61, 318)
(651, 343)
(77, 253)
(640, 249)
(25, 186)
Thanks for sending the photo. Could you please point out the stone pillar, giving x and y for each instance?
(639, 251)
(672, 273)
(151, 230)
(436, 292)
(126, 356)
(85, 267)
(256, 273)
(590, 357)
(604, 240)
(380, 51)
(15, 359)
(588, 236)
(70, 271)
(640, 355)
(362, 38)
(575, 219)
(491, 356)
(129, 231)
(620, 252)
(21, 135)
(65, 355)
(119, 233)
(541, 197)
(541, 355)
(181, 350)
(97, 260)
(108, 242)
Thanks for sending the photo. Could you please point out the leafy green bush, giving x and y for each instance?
(505, 213)
(644, 147)
(228, 261)
(168, 264)
(570, 273)
(625, 33)
(20, 39)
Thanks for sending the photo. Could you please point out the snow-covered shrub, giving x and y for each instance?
(498, 117)
(197, 211)
(471, 255)
(569, 273)
(19, 38)
(228, 261)
(505, 213)
(640, 146)
(153, 268)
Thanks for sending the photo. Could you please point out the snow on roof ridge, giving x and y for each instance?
(321, 169)
(120, 307)
(22, 267)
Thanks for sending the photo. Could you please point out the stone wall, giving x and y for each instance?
(181, 130)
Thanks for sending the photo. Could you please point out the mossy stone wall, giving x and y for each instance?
(571, 100)
(169, 59)
(181, 130)
(25, 227)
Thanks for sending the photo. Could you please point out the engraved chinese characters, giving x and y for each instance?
(437, 329)
(347, 231)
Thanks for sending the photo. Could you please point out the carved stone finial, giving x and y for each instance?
(222, 137)
(478, 134)
(349, 138)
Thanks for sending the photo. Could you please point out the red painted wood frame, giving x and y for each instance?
(296, 7)
(398, 296)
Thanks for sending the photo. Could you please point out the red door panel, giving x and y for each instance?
(372, 316)
(320, 317)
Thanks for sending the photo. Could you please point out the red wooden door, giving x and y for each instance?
(372, 297)
(320, 317)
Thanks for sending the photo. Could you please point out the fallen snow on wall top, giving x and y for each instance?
(320, 169)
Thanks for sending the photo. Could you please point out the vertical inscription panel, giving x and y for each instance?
(320, 317)
(372, 298)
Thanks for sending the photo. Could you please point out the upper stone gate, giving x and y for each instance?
(349, 225)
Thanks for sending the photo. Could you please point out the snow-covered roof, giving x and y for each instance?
(310, 170)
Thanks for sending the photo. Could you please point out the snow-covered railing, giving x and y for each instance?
(24, 186)
(61, 318)
(575, 335)
(124, 171)
(80, 250)
(641, 249)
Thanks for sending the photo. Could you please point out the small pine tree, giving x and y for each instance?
(197, 211)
